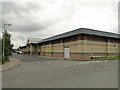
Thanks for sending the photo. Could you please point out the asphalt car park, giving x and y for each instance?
(43, 72)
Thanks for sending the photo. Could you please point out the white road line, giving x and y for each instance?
(65, 65)
(45, 68)
(83, 63)
(107, 67)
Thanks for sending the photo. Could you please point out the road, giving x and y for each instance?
(43, 72)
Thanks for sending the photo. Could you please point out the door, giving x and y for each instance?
(66, 53)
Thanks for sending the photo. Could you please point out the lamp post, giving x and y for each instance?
(4, 38)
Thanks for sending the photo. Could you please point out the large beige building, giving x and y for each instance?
(32, 46)
(80, 44)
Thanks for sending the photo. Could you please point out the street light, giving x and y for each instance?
(4, 37)
(7, 25)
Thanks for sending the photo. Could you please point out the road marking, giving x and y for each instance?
(107, 67)
(74, 64)
(83, 63)
(65, 65)
(45, 68)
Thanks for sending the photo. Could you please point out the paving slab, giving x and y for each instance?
(11, 64)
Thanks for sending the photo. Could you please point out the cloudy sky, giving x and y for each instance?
(45, 18)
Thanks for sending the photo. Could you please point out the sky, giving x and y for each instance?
(46, 18)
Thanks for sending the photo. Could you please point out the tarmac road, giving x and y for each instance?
(43, 72)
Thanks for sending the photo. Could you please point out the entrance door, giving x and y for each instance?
(66, 53)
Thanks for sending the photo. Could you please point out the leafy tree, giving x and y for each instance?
(7, 47)
(0, 46)
(0, 50)
(11, 48)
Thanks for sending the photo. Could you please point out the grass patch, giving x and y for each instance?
(106, 58)
(95, 58)
(0, 58)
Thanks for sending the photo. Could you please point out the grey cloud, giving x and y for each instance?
(20, 37)
(30, 27)
(119, 17)
(26, 7)
(36, 18)
(21, 22)
(0, 15)
(23, 19)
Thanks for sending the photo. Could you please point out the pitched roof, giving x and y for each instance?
(82, 31)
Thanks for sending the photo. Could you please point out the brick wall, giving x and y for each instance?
(81, 47)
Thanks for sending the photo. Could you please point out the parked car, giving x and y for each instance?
(19, 52)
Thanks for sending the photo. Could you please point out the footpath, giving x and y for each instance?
(10, 64)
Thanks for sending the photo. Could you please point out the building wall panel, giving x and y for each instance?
(81, 47)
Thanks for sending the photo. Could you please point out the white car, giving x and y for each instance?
(19, 52)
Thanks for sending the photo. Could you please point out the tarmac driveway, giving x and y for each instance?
(43, 72)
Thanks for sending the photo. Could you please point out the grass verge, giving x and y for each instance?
(106, 58)
(96, 58)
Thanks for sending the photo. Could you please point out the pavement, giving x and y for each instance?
(43, 72)
(11, 64)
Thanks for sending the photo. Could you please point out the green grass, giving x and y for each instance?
(107, 58)
(96, 58)
(0, 60)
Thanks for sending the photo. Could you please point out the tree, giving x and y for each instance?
(7, 47)
(0, 50)
(11, 48)
(0, 46)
